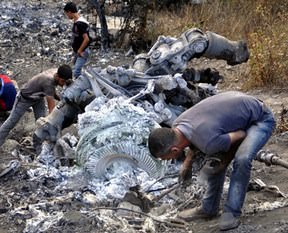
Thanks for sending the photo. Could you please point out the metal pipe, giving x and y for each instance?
(270, 158)
(164, 193)
(277, 161)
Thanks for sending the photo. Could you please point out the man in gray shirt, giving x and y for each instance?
(228, 123)
(32, 95)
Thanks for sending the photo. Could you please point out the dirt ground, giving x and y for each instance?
(16, 190)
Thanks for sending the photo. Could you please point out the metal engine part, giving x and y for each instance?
(171, 55)
(174, 91)
(49, 128)
(234, 52)
(270, 158)
(117, 132)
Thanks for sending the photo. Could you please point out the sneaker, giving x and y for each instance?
(194, 214)
(228, 221)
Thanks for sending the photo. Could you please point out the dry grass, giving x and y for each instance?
(262, 23)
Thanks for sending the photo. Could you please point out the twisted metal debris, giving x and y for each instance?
(153, 84)
(116, 132)
(58, 199)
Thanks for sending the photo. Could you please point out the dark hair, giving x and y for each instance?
(71, 6)
(64, 72)
(160, 141)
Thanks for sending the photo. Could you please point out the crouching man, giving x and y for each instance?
(231, 122)
(32, 95)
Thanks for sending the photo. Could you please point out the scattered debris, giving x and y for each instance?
(11, 167)
(52, 193)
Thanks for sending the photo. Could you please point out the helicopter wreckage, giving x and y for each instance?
(115, 109)
(130, 101)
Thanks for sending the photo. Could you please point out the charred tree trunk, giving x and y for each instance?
(105, 42)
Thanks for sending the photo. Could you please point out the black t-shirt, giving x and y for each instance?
(80, 27)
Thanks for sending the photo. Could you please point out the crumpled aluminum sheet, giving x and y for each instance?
(43, 221)
(107, 191)
(43, 171)
(265, 206)
(117, 182)
(46, 155)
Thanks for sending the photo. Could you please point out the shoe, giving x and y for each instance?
(228, 221)
(194, 214)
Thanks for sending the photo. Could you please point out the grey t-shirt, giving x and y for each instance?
(207, 124)
(40, 85)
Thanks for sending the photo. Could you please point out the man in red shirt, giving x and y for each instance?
(7, 93)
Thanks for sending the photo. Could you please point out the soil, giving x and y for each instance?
(17, 190)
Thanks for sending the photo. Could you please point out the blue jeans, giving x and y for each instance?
(256, 137)
(79, 62)
(21, 105)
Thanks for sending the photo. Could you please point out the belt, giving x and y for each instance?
(265, 108)
(25, 97)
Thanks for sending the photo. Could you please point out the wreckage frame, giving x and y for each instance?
(158, 82)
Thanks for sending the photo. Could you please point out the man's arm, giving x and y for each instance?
(222, 143)
(236, 139)
(84, 44)
(189, 158)
(237, 136)
(50, 103)
(186, 169)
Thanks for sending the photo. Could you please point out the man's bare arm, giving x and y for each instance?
(189, 158)
(50, 103)
(237, 136)
(186, 169)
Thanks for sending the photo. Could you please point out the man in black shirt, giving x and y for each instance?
(80, 39)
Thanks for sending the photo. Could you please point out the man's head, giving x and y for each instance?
(70, 9)
(64, 74)
(163, 143)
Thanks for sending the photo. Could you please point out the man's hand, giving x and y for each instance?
(185, 174)
(50, 103)
(80, 53)
(84, 44)
(186, 170)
